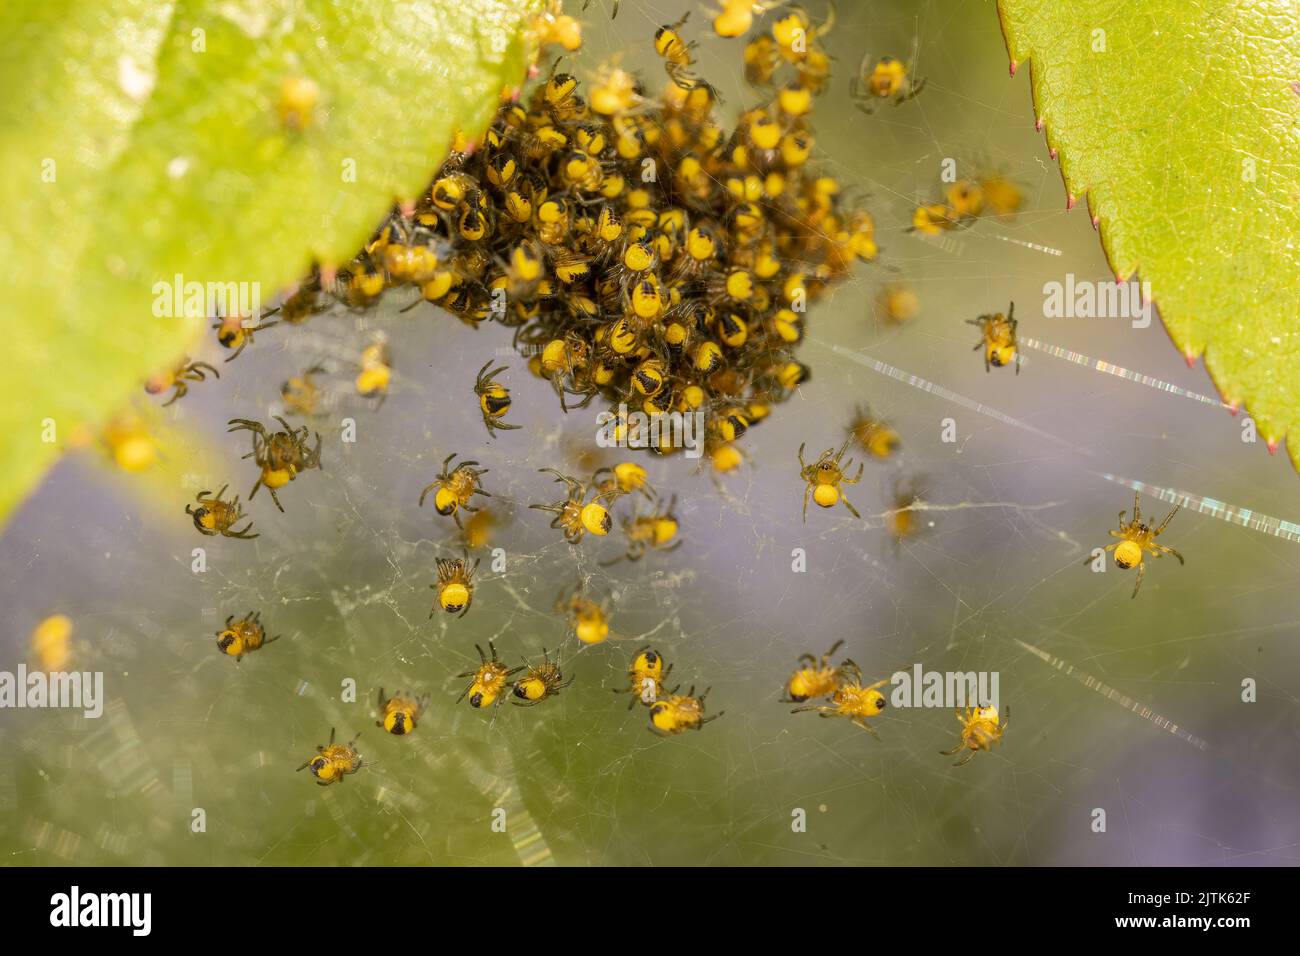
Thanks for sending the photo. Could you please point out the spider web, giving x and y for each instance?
(993, 581)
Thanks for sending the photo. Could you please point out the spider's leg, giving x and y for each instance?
(809, 707)
(275, 498)
(949, 753)
(1160, 548)
(1137, 510)
(852, 510)
(1164, 524)
(858, 721)
(970, 755)
(1142, 569)
(806, 493)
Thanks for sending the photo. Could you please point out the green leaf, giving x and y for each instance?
(1182, 132)
(142, 139)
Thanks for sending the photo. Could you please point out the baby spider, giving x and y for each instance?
(815, 677)
(455, 586)
(177, 378)
(649, 532)
(678, 713)
(244, 636)
(678, 57)
(493, 398)
(998, 338)
(575, 518)
(489, 679)
(232, 333)
(334, 761)
(1138, 540)
(824, 477)
(645, 678)
(455, 488)
(542, 681)
(301, 395)
(401, 712)
(587, 618)
(625, 477)
(215, 516)
(280, 455)
(980, 730)
(852, 700)
(875, 436)
(886, 79)
(736, 16)
(478, 530)
(901, 521)
(376, 372)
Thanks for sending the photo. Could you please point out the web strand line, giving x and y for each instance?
(1078, 358)
(1110, 693)
(1244, 517)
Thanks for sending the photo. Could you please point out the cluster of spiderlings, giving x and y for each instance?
(965, 201)
(642, 254)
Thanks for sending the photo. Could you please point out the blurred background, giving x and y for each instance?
(996, 569)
